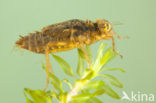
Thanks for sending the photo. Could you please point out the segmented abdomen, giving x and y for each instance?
(60, 37)
(35, 42)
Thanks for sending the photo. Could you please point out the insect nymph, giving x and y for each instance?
(67, 35)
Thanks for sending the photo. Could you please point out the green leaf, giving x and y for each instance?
(87, 97)
(81, 53)
(100, 85)
(53, 94)
(99, 92)
(108, 56)
(93, 100)
(89, 53)
(113, 80)
(64, 65)
(113, 69)
(80, 66)
(88, 74)
(56, 82)
(63, 97)
(68, 83)
(100, 53)
(38, 96)
(97, 84)
(111, 92)
(99, 56)
(80, 98)
(84, 91)
(27, 99)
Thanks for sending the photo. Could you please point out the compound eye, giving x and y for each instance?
(107, 27)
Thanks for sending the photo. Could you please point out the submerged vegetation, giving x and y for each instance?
(85, 88)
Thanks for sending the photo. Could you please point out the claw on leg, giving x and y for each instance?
(113, 42)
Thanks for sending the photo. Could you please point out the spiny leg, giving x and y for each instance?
(48, 60)
(113, 43)
(49, 67)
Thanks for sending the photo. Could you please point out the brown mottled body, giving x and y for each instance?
(64, 36)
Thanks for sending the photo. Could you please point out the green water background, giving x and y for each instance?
(20, 17)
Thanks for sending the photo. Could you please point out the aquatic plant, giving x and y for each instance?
(86, 87)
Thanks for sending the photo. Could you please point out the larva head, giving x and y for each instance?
(104, 26)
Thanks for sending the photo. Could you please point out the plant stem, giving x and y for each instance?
(78, 87)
